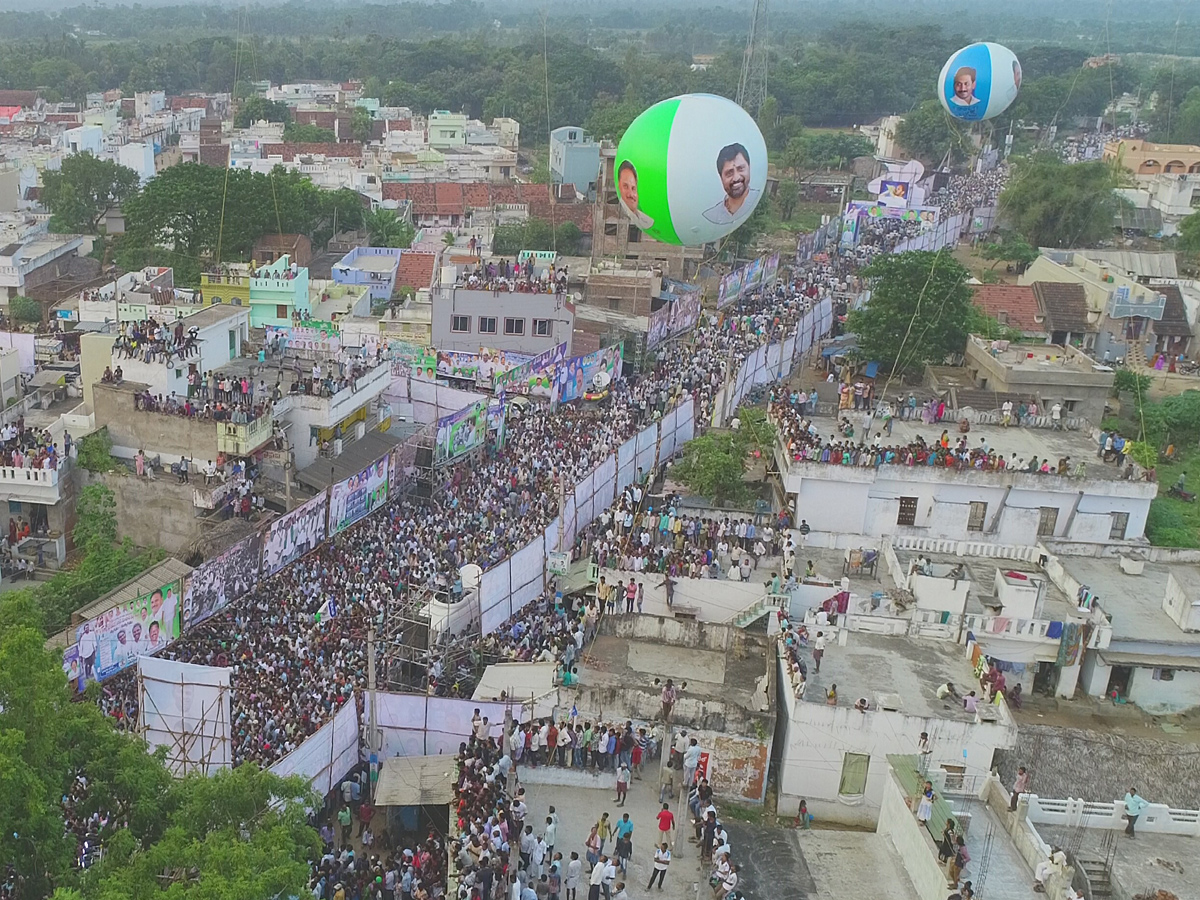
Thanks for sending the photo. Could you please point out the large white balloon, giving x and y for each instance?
(979, 82)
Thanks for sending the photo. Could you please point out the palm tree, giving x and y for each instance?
(386, 229)
(448, 238)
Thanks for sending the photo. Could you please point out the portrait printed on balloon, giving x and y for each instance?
(691, 169)
(979, 82)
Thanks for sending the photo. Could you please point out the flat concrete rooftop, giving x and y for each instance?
(1134, 601)
(982, 574)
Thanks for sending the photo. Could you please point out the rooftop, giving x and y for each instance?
(1064, 306)
(1043, 356)
(892, 671)
(1134, 602)
(1011, 304)
(216, 314)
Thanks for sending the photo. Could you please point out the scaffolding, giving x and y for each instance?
(196, 741)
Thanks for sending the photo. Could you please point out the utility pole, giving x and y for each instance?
(752, 86)
(372, 729)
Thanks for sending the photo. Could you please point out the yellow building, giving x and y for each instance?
(1144, 158)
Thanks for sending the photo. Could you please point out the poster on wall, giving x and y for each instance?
(425, 366)
(461, 432)
(894, 194)
(358, 496)
(221, 580)
(73, 669)
(291, 536)
(685, 312)
(143, 626)
(660, 325)
(314, 335)
(752, 279)
(493, 362)
(730, 288)
(577, 375)
(534, 376)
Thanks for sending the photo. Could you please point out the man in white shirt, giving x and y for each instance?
(818, 650)
(662, 859)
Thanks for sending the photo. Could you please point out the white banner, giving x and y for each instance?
(551, 535)
(666, 428)
(686, 428)
(327, 755)
(416, 725)
(647, 443)
(626, 463)
(604, 481)
(185, 708)
(494, 592)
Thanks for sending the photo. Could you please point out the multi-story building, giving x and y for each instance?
(465, 319)
(1145, 158)
(446, 129)
(575, 159)
(275, 293)
(37, 260)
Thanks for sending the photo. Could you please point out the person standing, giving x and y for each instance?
(662, 859)
(622, 784)
(1021, 786)
(818, 651)
(691, 762)
(597, 878)
(666, 822)
(669, 696)
(1134, 807)
(571, 882)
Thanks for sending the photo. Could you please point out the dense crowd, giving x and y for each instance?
(504, 277)
(964, 193)
(1086, 147)
(152, 341)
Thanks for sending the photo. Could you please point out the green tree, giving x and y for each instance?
(448, 238)
(308, 134)
(537, 234)
(919, 313)
(25, 309)
(713, 466)
(928, 133)
(83, 190)
(768, 121)
(361, 123)
(787, 196)
(387, 229)
(258, 109)
(1189, 235)
(95, 452)
(1054, 204)
(1011, 248)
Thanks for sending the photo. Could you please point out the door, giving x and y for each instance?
(1118, 682)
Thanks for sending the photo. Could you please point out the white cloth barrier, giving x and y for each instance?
(583, 500)
(495, 592)
(626, 464)
(551, 535)
(328, 754)
(605, 481)
(416, 725)
(527, 568)
(666, 431)
(185, 707)
(647, 444)
(570, 528)
(685, 428)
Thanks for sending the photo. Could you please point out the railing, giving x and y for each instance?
(982, 625)
(966, 548)
(242, 440)
(11, 475)
(1071, 813)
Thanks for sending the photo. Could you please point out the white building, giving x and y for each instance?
(139, 157)
(84, 139)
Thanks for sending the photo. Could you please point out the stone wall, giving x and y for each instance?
(1093, 765)
(156, 513)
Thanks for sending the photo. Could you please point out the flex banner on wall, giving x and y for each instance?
(293, 535)
(358, 496)
(113, 640)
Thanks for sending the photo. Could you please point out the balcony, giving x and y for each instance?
(242, 440)
(32, 485)
(1123, 305)
(327, 411)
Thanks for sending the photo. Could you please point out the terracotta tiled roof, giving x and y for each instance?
(1064, 305)
(451, 198)
(1013, 304)
(178, 103)
(448, 198)
(322, 118)
(215, 155)
(18, 98)
(289, 151)
(415, 269)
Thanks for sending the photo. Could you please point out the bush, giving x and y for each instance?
(1127, 380)
(23, 309)
(1166, 527)
(95, 451)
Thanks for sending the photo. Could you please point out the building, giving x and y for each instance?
(1166, 198)
(275, 293)
(1046, 373)
(1003, 507)
(614, 237)
(296, 247)
(37, 260)
(85, 139)
(375, 267)
(1012, 305)
(465, 319)
(575, 159)
(1145, 158)
(446, 129)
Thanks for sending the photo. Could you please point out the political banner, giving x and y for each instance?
(534, 376)
(752, 279)
(685, 312)
(771, 270)
(730, 288)
(493, 362)
(358, 496)
(894, 194)
(113, 640)
(314, 336)
(292, 535)
(461, 432)
(660, 325)
(222, 579)
(425, 366)
(576, 376)
(73, 669)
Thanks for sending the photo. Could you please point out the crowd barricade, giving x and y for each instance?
(418, 725)
(328, 754)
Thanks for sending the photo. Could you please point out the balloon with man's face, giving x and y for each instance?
(979, 82)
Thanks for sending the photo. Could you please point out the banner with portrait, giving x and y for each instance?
(576, 376)
(685, 312)
(771, 271)
(461, 432)
(752, 279)
(660, 325)
(293, 535)
(358, 496)
(222, 579)
(142, 626)
(894, 194)
(532, 377)
(730, 288)
(314, 336)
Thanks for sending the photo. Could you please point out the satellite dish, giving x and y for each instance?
(601, 380)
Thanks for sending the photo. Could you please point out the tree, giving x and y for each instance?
(1011, 248)
(928, 132)
(95, 451)
(919, 312)
(258, 109)
(25, 309)
(448, 238)
(537, 234)
(1189, 235)
(83, 190)
(787, 195)
(308, 134)
(387, 229)
(361, 123)
(713, 466)
(1054, 204)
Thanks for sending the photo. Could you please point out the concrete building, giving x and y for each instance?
(375, 267)
(274, 294)
(140, 157)
(464, 319)
(615, 237)
(575, 159)
(1169, 197)
(37, 260)
(1145, 158)
(842, 503)
(446, 129)
(1043, 372)
(85, 139)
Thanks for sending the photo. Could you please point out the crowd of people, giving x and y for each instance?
(964, 193)
(504, 277)
(1090, 146)
(152, 341)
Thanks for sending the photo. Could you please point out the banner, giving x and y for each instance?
(535, 376)
(314, 335)
(573, 378)
(894, 194)
(139, 627)
(461, 432)
(291, 536)
(685, 312)
(753, 277)
(771, 270)
(358, 496)
(660, 325)
(730, 288)
(926, 215)
(424, 366)
(223, 578)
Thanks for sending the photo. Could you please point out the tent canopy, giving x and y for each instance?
(416, 781)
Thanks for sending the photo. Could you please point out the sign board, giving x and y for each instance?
(557, 562)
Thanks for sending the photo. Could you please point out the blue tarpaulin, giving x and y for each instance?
(872, 368)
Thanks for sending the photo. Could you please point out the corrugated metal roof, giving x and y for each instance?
(1138, 263)
(170, 569)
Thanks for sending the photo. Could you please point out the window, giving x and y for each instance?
(1069, 405)
(281, 311)
(908, 511)
(1163, 674)
(233, 343)
(541, 328)
(1047, 521)
(460, 324)
(610, 229)
(976, 516)
(635, 234)
(1120, 522)
(487, 324)
(614, 302)
(514, 326)
(14, 507)
(854, 775)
